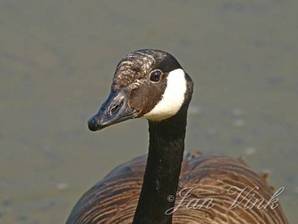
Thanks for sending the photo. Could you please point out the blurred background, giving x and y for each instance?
(57, 59)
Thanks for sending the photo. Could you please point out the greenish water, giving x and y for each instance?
(57, 59)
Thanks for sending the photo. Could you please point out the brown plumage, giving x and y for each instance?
(113, 200)
(209, 189)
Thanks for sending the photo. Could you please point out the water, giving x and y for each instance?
(57, 59)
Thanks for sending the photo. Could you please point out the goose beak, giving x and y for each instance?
(114, 110)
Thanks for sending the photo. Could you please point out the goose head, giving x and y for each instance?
(147, 83)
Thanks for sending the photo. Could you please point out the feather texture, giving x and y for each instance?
(113, 200)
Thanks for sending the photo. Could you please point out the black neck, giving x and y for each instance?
(163, 167)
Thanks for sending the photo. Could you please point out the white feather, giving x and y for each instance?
(172, 98)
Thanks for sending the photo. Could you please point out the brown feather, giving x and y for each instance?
(114, 199)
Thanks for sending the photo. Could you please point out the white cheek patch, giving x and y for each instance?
(172, 98)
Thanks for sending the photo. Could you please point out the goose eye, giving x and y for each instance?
(155, 75)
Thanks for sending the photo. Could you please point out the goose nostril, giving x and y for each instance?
(115, 108)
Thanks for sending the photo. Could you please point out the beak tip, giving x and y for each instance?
(93, 124)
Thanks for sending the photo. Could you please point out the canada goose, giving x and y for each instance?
(211, 189)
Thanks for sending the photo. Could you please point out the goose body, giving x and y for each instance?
(167, 186)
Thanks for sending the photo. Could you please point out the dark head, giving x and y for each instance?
(147, 83)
